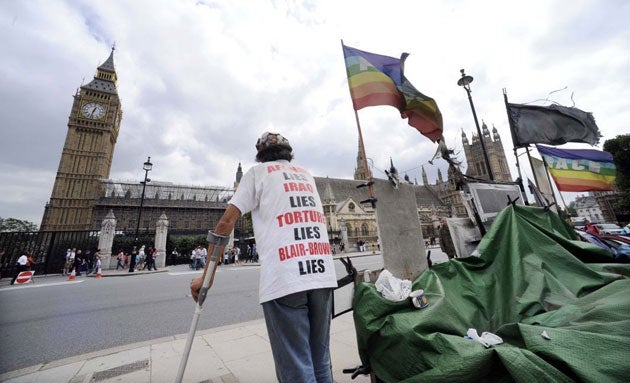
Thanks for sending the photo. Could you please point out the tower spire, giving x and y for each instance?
(360, 173)
(425, 180)
(239, 175)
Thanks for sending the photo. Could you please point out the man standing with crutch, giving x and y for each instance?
(297, 271)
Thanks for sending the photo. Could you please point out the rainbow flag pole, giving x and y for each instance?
(369, 181)
(362, 145)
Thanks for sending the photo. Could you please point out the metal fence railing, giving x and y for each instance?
(47, 248)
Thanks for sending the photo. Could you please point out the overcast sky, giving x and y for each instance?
(200, 80)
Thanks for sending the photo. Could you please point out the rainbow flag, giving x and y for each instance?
(371, 79)
(577, 170)
(379, 80)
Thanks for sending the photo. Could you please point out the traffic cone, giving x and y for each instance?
(73, 274)
(98, 273)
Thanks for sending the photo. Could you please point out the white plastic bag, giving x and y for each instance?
(392, 288)
(487, 338)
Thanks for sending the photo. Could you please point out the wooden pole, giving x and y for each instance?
(518, 165)
(369, 180)
(549, 180)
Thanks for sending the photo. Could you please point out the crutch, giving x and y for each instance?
(218, 242)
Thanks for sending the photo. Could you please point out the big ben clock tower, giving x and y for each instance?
(93, 128)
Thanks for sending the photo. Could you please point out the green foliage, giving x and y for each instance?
(14, 224)
(184, 244)
(619, 147)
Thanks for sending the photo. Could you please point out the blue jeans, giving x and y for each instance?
(299, 332)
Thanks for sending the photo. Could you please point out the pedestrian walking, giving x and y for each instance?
(297, 270)
(197, 254)
(149, 262)
(237, 256)
(68, 261)
(254, 253)
(140, 257)
(97, 263)
(119, 258)
(77, 261)
(133, 262)
(83, 266)
(154, 256)
(21, 265)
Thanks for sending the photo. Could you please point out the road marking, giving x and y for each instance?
(219, 269)
(186, 272)
(30, 286)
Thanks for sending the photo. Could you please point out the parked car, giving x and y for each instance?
(595, 240)
(618, 238)
(608, 228)
(621, 250)
(615, 244)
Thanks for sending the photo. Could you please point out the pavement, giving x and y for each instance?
(237, 353)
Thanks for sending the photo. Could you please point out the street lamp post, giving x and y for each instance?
(465, 82)
(147, 166)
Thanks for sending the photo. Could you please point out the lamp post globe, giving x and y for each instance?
(147, 166)
(464, 82)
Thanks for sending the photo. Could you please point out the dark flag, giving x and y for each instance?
(551, 125)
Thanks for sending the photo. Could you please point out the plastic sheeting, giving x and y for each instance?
(531, 277)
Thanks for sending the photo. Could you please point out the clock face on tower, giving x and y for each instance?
(93, 110)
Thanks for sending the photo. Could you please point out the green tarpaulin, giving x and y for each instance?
(533, 275)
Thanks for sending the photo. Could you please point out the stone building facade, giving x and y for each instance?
(189, 209)
(83, 194)
(587, 206)
(496, 156)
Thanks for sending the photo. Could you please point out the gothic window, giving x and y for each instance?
(364, 229)
(349, 228)
(351, 207)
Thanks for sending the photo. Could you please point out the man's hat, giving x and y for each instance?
(270, 139)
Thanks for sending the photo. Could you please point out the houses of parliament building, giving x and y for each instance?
(83, 194)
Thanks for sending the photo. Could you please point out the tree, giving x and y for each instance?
(14, 224)
(619, 147)
(571, 209)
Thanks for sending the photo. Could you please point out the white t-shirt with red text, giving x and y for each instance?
(290, 229)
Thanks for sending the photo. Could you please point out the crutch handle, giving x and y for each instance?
(217, 239)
